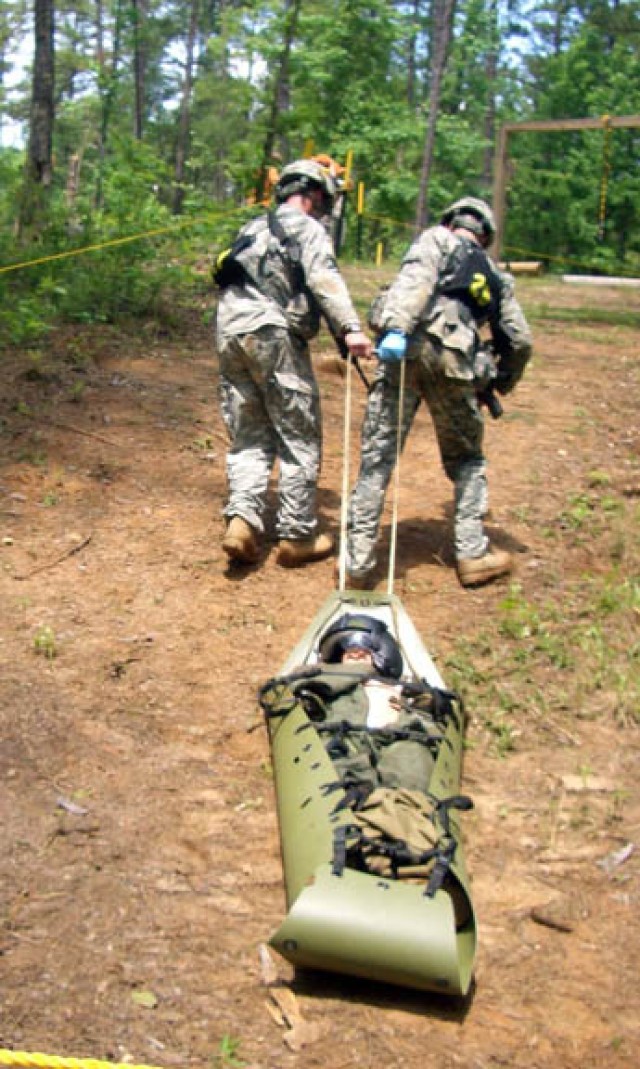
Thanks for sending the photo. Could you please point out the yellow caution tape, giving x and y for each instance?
(118, 241)
(52, 1061)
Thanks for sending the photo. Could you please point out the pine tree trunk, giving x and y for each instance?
(182, 144)
(139, 66)
(42, 109)
(443, 11)
(280, 99)
(39, 167)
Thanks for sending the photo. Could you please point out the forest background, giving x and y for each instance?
(148, 125)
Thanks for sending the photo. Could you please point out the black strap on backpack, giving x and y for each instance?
(292, 245)
(230, 271)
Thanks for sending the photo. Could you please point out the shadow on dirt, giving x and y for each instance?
(350, 989)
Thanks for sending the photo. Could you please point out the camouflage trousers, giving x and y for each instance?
(271, 407)
(459, 430)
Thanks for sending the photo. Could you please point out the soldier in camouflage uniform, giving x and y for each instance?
(284, 278)
(446, 291)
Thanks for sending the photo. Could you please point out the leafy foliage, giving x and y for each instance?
(358, 84)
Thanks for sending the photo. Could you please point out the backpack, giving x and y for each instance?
(468, 277)
(227, 269)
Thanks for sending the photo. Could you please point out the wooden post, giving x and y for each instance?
(499, 190)
(360, 210)
(539, 126)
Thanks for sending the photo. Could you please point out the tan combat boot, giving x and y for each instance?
(239, 542)
(474, 571)
(293, 552)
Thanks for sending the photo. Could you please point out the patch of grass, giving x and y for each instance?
(515, 676)
(76, 392)
(44, 642)
(536, 632)
(599, 478)
(593, 316)
(226, 1056)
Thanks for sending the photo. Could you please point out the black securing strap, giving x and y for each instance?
(448, 845)
(343, 728)
(444, 858)
(355, 795)
(339, 850)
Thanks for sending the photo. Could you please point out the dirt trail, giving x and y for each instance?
(142, 866)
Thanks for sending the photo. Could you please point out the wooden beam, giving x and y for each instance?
(522, 267)
(573, 124)
(500, 189)
(539, 126)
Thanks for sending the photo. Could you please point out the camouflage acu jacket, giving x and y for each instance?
(422, 301)
(274, 296)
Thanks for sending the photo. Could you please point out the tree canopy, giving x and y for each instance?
(142, 114)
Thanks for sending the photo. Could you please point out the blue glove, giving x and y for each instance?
(392, 346)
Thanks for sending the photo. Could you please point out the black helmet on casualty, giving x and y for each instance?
(364, 632)
(306, 176)
(473, 214)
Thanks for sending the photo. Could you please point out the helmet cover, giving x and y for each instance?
(303, 176)
(364, 632)
(473, 214)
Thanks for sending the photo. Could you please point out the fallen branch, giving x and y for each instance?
(58, 560)
(79, 430)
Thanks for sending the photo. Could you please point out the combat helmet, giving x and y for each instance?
(474, 215)
(365, 632)
(303, 176)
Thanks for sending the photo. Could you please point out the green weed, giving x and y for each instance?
(579, 511)
(598, 478)
(76, 392)
(227, 1055)
(44, 642)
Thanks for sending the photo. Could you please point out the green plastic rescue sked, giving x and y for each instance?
(344, 920)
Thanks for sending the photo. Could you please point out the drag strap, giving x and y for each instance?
(396, 480)
(346, 464)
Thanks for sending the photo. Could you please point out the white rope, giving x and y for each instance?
(396, 481)
(346, 450)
